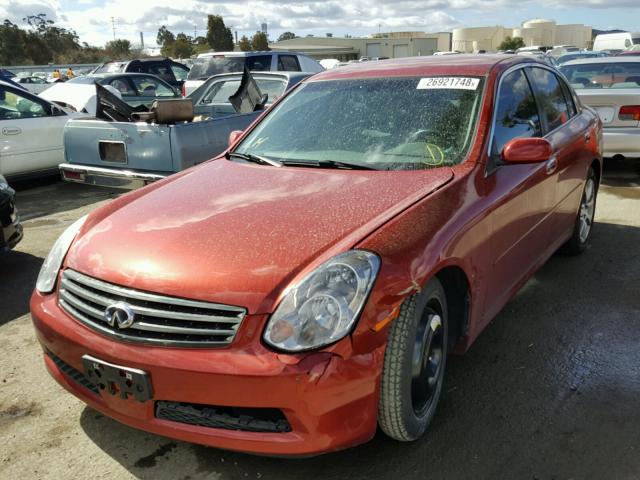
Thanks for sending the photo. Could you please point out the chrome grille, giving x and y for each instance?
(158, 319)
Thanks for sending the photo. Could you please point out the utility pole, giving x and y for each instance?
(195, 32)
(141, 41)
(113, 26)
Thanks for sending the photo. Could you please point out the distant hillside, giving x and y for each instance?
(595, 32)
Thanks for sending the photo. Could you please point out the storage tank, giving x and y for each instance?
(470, 39)
(538, 32)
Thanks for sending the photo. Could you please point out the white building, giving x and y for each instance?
(535, 32)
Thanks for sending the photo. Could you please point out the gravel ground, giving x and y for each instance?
(551, 389)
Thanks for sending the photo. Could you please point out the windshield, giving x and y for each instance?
(603, 75)
(383, 123)
(206, 67)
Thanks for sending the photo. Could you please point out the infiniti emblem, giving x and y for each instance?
(119, 314)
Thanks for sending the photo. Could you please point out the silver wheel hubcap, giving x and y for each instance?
(587, 208)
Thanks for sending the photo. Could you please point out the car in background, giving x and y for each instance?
(10, 227)
(215, 63)
(135, 89)
(635, 51)
(35, 85)
(611, 86)
(291, 295)
(579, 56)
(616, 41)
(132, 154)
(211, 99)
(172, 72)
(31, 130)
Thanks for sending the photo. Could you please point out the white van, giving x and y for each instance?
(616, 41)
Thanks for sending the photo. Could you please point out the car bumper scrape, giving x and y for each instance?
(244, 398)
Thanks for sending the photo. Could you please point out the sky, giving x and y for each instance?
(92, 19)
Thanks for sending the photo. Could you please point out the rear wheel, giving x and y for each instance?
(584, 221)
(414, 364)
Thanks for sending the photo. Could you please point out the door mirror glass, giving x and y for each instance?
(527, 150)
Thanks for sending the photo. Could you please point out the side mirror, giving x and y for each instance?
(527, 150)
(234, 136)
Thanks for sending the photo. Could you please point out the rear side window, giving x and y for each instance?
(163, 71)
(259, 63)
(288, 63)
(553, 104)
(179, 72)
(516, 112)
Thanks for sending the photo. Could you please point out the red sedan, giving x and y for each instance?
(292, 295)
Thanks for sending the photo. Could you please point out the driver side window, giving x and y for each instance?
(516, 114)
(14, 106)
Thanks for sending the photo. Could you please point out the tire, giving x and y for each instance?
(584, 220)
(411, 385)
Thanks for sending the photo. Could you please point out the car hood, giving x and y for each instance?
(237, 233)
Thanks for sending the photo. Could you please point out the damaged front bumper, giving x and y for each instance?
(108, 177)
(244, 397)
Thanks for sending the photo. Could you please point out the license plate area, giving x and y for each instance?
(117, 380)
(112, 152)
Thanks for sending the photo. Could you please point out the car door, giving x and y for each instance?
(570, 134)
(30, 133)
(524, 193)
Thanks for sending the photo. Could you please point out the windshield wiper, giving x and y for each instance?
(254, 158)
(326, 164)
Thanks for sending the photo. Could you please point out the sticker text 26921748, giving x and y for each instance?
(455, 83)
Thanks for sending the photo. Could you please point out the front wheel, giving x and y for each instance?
(584, 221)
(414, 364)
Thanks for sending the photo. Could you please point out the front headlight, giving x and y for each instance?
(49, 271)
(323, 307)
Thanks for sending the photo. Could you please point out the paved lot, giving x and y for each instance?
(551, 390)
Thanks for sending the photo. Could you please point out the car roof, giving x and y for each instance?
(473, 64)
(587, 61)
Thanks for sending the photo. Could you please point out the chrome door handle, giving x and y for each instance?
(587, 137)
(551, 165)
(11, 131)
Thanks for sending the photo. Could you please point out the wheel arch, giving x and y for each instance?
(456, 286)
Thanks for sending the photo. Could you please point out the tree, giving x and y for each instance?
(511, 43)
(164, 36)
(244, 44)
(286, 36)
(260, 41)
(119, 48)
(182, 47)
(218, 35)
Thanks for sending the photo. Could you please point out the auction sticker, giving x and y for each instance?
(454, 83)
